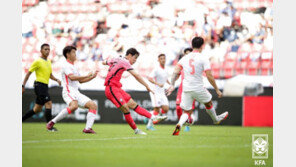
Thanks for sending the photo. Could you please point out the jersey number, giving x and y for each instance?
(192, 66)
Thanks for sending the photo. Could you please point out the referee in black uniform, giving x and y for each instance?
(43, 71)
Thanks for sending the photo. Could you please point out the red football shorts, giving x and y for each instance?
(118, 96)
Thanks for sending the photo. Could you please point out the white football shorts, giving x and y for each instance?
(71, 95)
(202, 96)
(159, 99)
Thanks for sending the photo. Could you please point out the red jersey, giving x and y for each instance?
(116, 67)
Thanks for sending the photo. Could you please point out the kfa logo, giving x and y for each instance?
(260, 148)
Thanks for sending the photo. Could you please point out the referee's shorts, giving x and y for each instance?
(41, 91)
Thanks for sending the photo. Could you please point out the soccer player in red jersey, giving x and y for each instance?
(119, 97)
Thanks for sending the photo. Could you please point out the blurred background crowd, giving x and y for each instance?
(238, 33)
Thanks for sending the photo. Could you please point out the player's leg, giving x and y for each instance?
(203, 96)
(48, 114)
(41, 98)
(37, 108)
(115, 96)
(155, 103)
(155, 111)
(212, 112)
(91, 116)
(187, 128)
(164, 104)
(138, 109)
(179, 111)
(186, 104)
(178, 102)
(48, 104)
(150, 122)
(73, 105)
(128, 118)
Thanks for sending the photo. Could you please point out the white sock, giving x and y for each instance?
(212, 114)
(183, 119)
(150, 123)
(90, 119)
(60, 116)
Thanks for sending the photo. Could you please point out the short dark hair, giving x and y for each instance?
(132, 51)
(43, 45)
(187, 49)
(197, 42)
(68, 49)
(161, 55)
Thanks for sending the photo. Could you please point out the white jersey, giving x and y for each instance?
(193, 65)
(67, 69)
(160, 75)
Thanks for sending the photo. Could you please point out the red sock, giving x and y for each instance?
(142, 112)
(162, 111)
(179, 111)
(155, 112)
(130, 120)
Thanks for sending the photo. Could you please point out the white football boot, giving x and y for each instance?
(140, 132)
(159, 118)
(221, 117)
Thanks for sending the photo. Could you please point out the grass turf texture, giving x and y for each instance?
(117, 145)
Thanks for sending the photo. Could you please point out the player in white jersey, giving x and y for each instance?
(193, 65)
(159, 76)
(71, 95)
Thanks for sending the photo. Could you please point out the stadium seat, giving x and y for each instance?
(216, 69)
(228, 68)
(253, 67)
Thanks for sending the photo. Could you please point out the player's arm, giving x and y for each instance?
(154, 82)
(175, 76)
(34, 66)
(169, 81)
(55, 79)
(25, 80)
(93, 75)
(140, 79)
(212, 81)
(79, 78)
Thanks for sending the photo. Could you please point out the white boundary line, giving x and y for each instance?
(66, 140)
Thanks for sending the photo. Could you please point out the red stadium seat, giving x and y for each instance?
(228, 68)
(253, 67)
(216, 69)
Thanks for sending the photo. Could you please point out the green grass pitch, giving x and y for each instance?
(117, 145)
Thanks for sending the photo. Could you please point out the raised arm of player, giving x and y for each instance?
(25, 80)
(175, 76)
(154, 82)
(55, 79)
(93, 75)
(213, 83)
(140, 79)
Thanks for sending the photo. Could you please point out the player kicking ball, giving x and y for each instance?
(193, 66)
(119, 97)
(158, 77)
(71, 95)
(179, 96)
